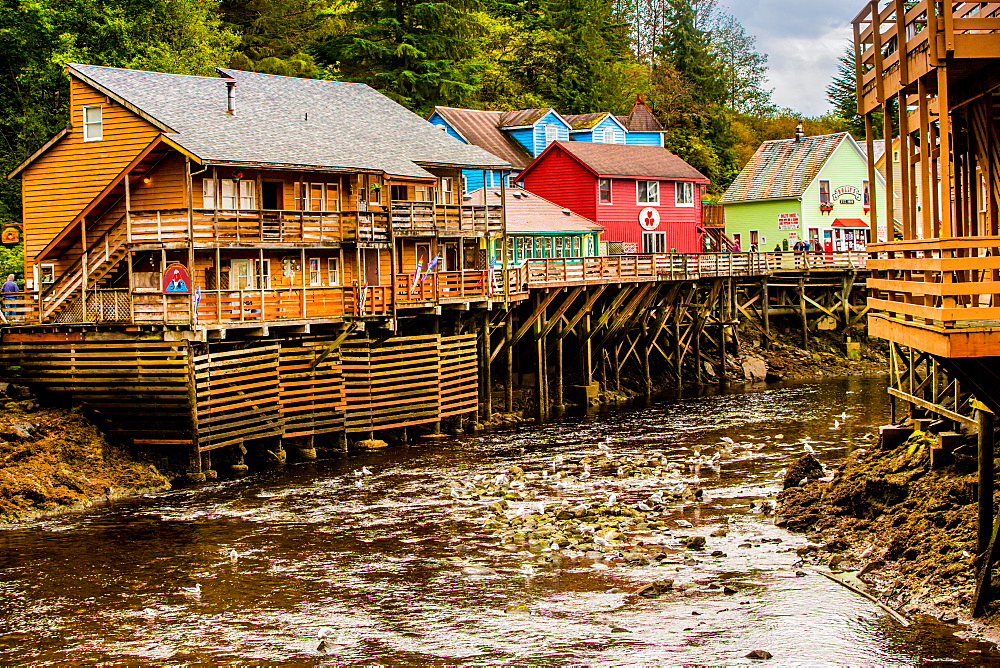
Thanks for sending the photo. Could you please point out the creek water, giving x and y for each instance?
(400, 572)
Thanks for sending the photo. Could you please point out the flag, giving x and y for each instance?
(196, 301)
(416, 276)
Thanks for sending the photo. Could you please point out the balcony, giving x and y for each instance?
(940, 296)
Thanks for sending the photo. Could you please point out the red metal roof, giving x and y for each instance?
(625, 160)
(849, 222)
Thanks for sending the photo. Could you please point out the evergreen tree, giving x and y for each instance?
(687, 48)
(420, 53)
(842, 93)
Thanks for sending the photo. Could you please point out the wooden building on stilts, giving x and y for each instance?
(930, 69)
(226, 263)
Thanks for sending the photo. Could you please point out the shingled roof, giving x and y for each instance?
(626, 160)
(287, 121)
(482, 129)
(641, 118)
(585, 121)
(527, 213)
(782, 168)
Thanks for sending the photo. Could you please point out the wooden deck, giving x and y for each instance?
(306, 303)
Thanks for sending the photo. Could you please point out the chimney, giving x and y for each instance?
(231, 97)
(799, 134)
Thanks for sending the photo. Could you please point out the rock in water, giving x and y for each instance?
(656, 589)
(759, 654)
(805, 467)
(695, 542)
(372, 444)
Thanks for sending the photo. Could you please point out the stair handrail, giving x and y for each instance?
(74, 273)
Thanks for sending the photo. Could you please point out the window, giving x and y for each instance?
(605, 187)
(228, 194)
(447, 191)
(654, 242)
(647, 192)
(208, 193)
(93, 123)
(738, 240)
(684, 193)
(333, 271)
(317, 196)
(867, 194)
(248, 195)
(315, 277)
(398, 193)
(824, 192)
(551, 133)
(600, 136)
(754, 237)
(46, 273)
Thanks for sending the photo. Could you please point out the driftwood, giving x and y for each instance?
(892, 613)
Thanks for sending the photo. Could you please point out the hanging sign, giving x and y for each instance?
(177, 279)
(10, 235)
(846, 195)
(788, 221)
(649, 218)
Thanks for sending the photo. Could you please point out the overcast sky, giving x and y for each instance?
(803, 39)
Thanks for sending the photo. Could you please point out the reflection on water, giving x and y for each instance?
(395, 570)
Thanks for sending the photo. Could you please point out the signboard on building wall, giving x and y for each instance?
(788, 221)
(793, 236)
(649, 218)
(846, 195)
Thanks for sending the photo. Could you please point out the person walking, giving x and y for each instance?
(9, 288)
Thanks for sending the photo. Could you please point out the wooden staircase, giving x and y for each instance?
(63, 300)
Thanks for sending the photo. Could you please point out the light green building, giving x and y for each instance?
(807, 188)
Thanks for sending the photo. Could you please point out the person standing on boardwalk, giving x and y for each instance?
(9, 288)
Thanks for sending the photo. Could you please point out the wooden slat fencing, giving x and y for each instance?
(238, 393)
(136, 389)
(406, 381)
(312, 387)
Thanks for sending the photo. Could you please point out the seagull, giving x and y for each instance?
(365, 470)
(781, 473)
(643, 507)
(357, 473)
(604, 447)
(716, 457)
(501, 479)
(585, 475)
(612, 498)
(357, 483)
(601, 541)
(192, 591)
(728, 440)
(527, 569)
(517, 484)
(843, 416)
(808, 448)
(454, 493)
(656, 498)
(836, 424)
(479, 478)
(234, 556)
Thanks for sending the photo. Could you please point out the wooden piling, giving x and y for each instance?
(509, 355)
(766, 313)
(487, 380)
(985, 523)
(804, 316)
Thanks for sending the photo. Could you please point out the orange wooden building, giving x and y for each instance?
(205, 253)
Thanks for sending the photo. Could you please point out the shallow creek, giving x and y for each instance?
(400, 571)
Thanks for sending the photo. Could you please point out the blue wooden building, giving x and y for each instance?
(520, 136)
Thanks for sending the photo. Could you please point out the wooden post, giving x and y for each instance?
(487, 379)
(802, 309)
(766, 313)
(560, 406)
(985, 525)
(678, 362)
(541, 363)
(699, 329)
(509, 354)
(616, 368)
(647, 375)
(586, 353)
(194, 472)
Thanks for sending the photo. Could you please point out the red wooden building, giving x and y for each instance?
(647, 198)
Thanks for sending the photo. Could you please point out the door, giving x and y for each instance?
(370, 262)
(241, 275)
(450, 257)
(270, 192)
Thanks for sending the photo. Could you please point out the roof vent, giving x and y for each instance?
(799, 134)
(567, 211)
(231, 97)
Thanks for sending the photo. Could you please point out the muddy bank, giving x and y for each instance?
(52, 459)
(909, 531)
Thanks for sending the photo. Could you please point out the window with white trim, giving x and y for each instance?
(684, 193)
(315, 276)
(551, 133)
(93, 123)
(604, 186)
(229, 199)
(208, 193)
(446, 190)
(647, 192)
(654, 242)
(248, 194)
(333, 271)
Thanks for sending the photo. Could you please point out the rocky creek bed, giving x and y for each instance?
(53, 459)
(907, 530)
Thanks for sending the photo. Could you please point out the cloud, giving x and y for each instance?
(803, 40)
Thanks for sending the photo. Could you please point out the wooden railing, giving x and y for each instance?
(904, 40)
(441, 285)
(417, 218)
(943, 282)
